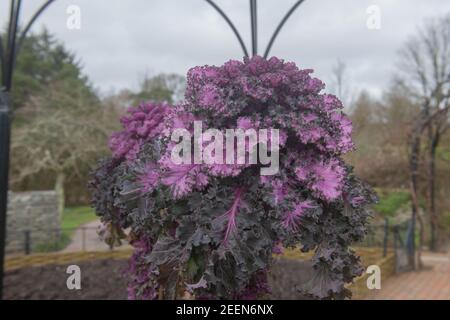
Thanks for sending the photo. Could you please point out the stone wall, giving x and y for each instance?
(36, 211)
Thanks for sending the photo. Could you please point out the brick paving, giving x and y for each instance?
(431, 283)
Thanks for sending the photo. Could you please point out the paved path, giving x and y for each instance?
(433, 282)
(91, 242)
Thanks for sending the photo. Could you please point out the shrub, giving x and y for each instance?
(391, 201)
(212, 229)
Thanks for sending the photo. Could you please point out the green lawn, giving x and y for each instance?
(391, 201)
(72, 218)
(447, 221)
(76, 216)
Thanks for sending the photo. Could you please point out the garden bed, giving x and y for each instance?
(100, 279)
(106, 278)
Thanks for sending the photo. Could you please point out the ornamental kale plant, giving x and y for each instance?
(211, 230)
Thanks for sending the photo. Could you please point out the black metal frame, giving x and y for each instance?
(8, 56)
(254, 26)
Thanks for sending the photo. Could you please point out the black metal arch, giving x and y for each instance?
(30, 24)
(232, 26)
(280, 26)
(8, 53)
(254, 27)
(13, 47)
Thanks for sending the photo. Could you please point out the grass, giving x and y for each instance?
(391, 201)
(444, 153)
(72, 218)
(75, 217)
(447, 221)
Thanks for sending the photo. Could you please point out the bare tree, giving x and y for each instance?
(340, 82)
(422, 122)
(425, 66)
(65, 136)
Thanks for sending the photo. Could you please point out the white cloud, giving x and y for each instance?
(121, 40)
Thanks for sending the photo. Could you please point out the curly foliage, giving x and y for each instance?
(212, 229)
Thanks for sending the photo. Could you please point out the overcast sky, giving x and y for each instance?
(121, 41)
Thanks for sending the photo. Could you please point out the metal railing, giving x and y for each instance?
(396, 238)
(379, 235)
(28, 241)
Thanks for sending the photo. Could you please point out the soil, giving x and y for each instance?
(107, 280)
(287, 277)
(100, 280)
